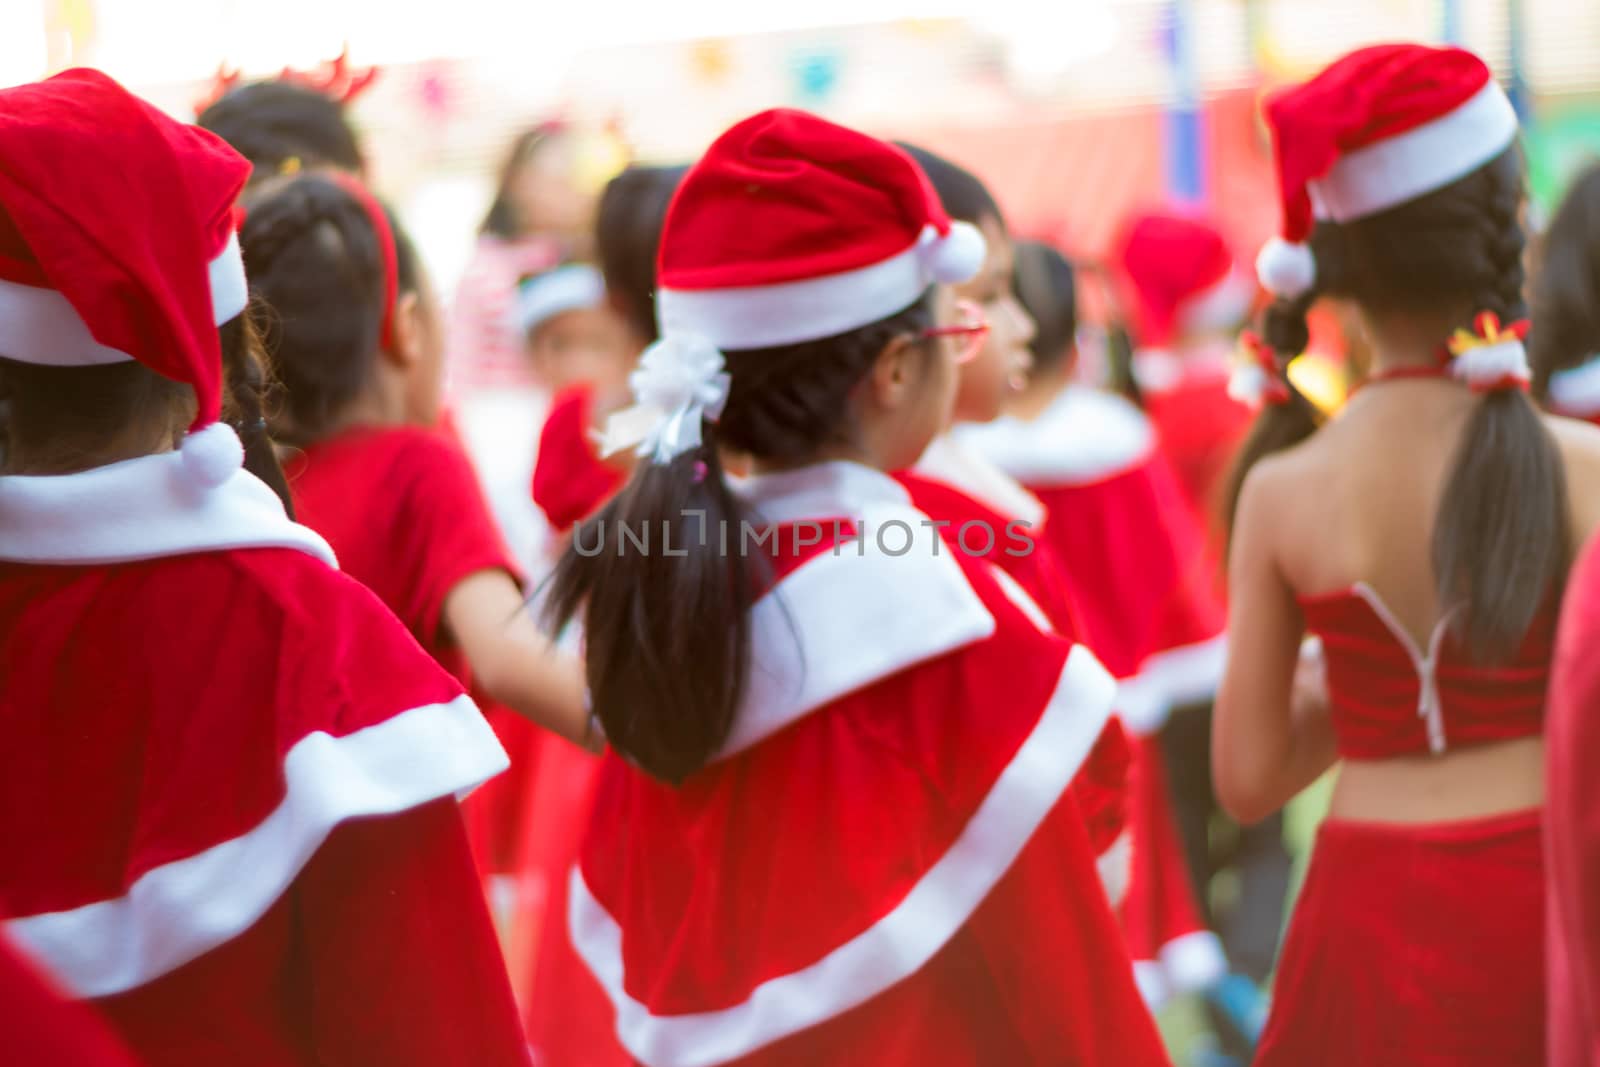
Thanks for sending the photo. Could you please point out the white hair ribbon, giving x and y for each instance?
(680, 380)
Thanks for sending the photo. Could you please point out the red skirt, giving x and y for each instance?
(1415, 946)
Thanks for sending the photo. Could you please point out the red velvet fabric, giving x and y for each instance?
(1373, 687)
(1415, 945)
(571, 482)
(43, 1027)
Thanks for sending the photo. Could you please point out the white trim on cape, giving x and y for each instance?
(179, 911)
(897, 945)
(1167, 680)
(1085, 435)
(142, 508)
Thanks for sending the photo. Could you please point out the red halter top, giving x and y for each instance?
(1389, 697)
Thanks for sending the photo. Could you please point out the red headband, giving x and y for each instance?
(386, 248)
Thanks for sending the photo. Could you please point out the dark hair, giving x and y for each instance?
(963, 195)
(1500, 538)
(633, 209)
(668, 638)
(501, 220)
(71, 414)
(1566, 295)
(272, 122)
(312, 256)
(1044, 285)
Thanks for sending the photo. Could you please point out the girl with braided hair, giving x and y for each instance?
(1424, 537)
(357, 337)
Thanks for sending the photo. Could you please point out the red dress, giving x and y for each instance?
(570, 481)
(43, 1027)
(885, 864)
(1144, 585)
(1200, 427)
(228, 785)
(403, 510)
(1572, 826)
(1416, 944)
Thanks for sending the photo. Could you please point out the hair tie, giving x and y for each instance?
(386, 250)
(1258, 380)
(1493, 358)
(681, 381)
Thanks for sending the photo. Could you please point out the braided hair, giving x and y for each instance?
(1500, 542)
(668, 635)
(313, 258)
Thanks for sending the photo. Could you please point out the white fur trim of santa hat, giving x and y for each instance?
(39, 325)
(767, 316)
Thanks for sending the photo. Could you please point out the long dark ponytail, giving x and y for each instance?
(1500, 538)
(667, 635)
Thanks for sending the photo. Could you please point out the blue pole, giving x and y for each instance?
(1450, 21)
(1184, 122)
(1517, 59)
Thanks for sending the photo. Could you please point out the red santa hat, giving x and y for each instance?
(1382, 126)
(117, 243)
(1181, 275)
(793, 229)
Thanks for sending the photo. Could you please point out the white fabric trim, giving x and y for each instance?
(570, 288)
(181, 910)
(142, 508)
(1084, 436)
(962, 467)
(1576, 390)
(896, 946)
(39, 325)
(1491, 364)
(1193, 962)
(837, 623)
(1152, 983)
(229, 290)
(1170, 679)
(1429, 157)
(1220, 306)
(1116, 868)
(765, 316)
(1019, 596)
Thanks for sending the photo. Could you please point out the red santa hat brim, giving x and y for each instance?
(1431, 156)
(42, 326)
(785, 313)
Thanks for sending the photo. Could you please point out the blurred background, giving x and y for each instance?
(1074, 112)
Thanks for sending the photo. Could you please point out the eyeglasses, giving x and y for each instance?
(972, 328)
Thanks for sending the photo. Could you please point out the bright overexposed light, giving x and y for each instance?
(1044, 41)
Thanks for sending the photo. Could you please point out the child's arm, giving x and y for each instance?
(513, 662)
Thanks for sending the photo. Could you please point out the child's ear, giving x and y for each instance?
(896, 372)
(406, 334)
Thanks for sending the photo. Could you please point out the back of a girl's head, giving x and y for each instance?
(278, 126)
(632, 211)
(1566, 294)
(1443, 255)
(1045, 286)
(314, 258)
(963, 194)
(764, 319)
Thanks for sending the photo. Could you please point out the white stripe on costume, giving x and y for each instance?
(1167, 680)
(896, 946)
(1116, 868)
(142, 508)
(179, 911)
(1576, 391)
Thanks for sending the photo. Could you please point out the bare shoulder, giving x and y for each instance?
(1579, 445)
(1274, 487)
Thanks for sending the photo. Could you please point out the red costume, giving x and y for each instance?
(230, 778)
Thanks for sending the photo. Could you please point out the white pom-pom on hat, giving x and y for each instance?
(211, 455)
(1285, 269)
(954, 257)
